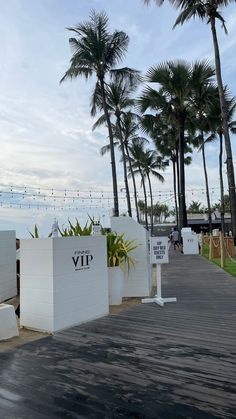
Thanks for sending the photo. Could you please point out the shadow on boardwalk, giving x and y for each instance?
(147, 362)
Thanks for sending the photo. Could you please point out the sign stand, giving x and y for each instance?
(159, 255)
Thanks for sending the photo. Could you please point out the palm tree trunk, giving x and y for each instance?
(177, 180)
(207, 185)
(134, 182)
(113, 161)
(175, 192)
(145, 197)
(124, 168)
(182, 203)
(230, 166)
(151, 198)
(222, 209)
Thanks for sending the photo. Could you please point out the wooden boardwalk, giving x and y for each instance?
(174, 362)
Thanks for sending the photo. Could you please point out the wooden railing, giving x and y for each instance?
(219, 247)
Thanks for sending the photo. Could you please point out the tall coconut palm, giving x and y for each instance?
(97, 52)
(215, 120)
(172, 98)
(141, 206)
(202, 97)
(164, 133)
(200, 143)
(137, 158)
(130, 132)
(145, 163)
(118, 97)
(130, 135)
(153, 162)
(171, 153)
(209, 11)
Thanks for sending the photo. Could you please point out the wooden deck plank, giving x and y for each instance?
(174, 362)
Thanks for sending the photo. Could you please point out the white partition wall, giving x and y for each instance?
(63, 281)
(7, 265)
(138, 282)
(190, 242)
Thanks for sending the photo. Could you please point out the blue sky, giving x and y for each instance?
(46, 139)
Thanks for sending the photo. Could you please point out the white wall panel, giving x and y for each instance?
(138, 282)
(7, 265)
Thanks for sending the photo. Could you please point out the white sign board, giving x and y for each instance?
(159, 255)
(159, 250)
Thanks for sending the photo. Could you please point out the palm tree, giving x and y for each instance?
(151, 162)
(172, 99)
(195, 207)
(203, 95)
(130, 135)
(200, 142)
(209, 11)
(215, 120)
(145, 163)
(118, 102)
(96, 51)
(129, 128)
(141, 206)
(137, 158)
(164, 133)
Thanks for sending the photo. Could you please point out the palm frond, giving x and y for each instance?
(106, 148)
(96, 100)
(150, 98)
(116, 48)
(75, 71)
(102, 120)
(158, 2)
(126, 74)
(158, 176)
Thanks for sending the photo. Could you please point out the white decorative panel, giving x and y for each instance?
(138, 281)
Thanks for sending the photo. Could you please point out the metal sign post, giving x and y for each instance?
(159, 255)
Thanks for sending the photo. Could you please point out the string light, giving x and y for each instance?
(73, 199)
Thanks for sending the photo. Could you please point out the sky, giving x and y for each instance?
(50, 158)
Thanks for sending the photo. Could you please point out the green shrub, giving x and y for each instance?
(76, 229)
(35, 234)
(118, 251)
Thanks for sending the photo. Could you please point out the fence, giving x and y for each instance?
(219, 247)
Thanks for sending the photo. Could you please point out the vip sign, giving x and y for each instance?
(82, 259)
(159, 250)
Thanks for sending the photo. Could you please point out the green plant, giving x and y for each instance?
(35, 234)
(76, 229)
(118, 251)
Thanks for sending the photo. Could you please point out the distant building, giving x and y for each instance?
(198, 223)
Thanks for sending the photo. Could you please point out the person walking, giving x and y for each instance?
(175, 238)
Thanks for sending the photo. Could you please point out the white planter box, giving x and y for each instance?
(64, 281)
(8, 324)
(138, 281)
(7, 265)
(116, 285)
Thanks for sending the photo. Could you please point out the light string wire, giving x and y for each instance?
(74, 199)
